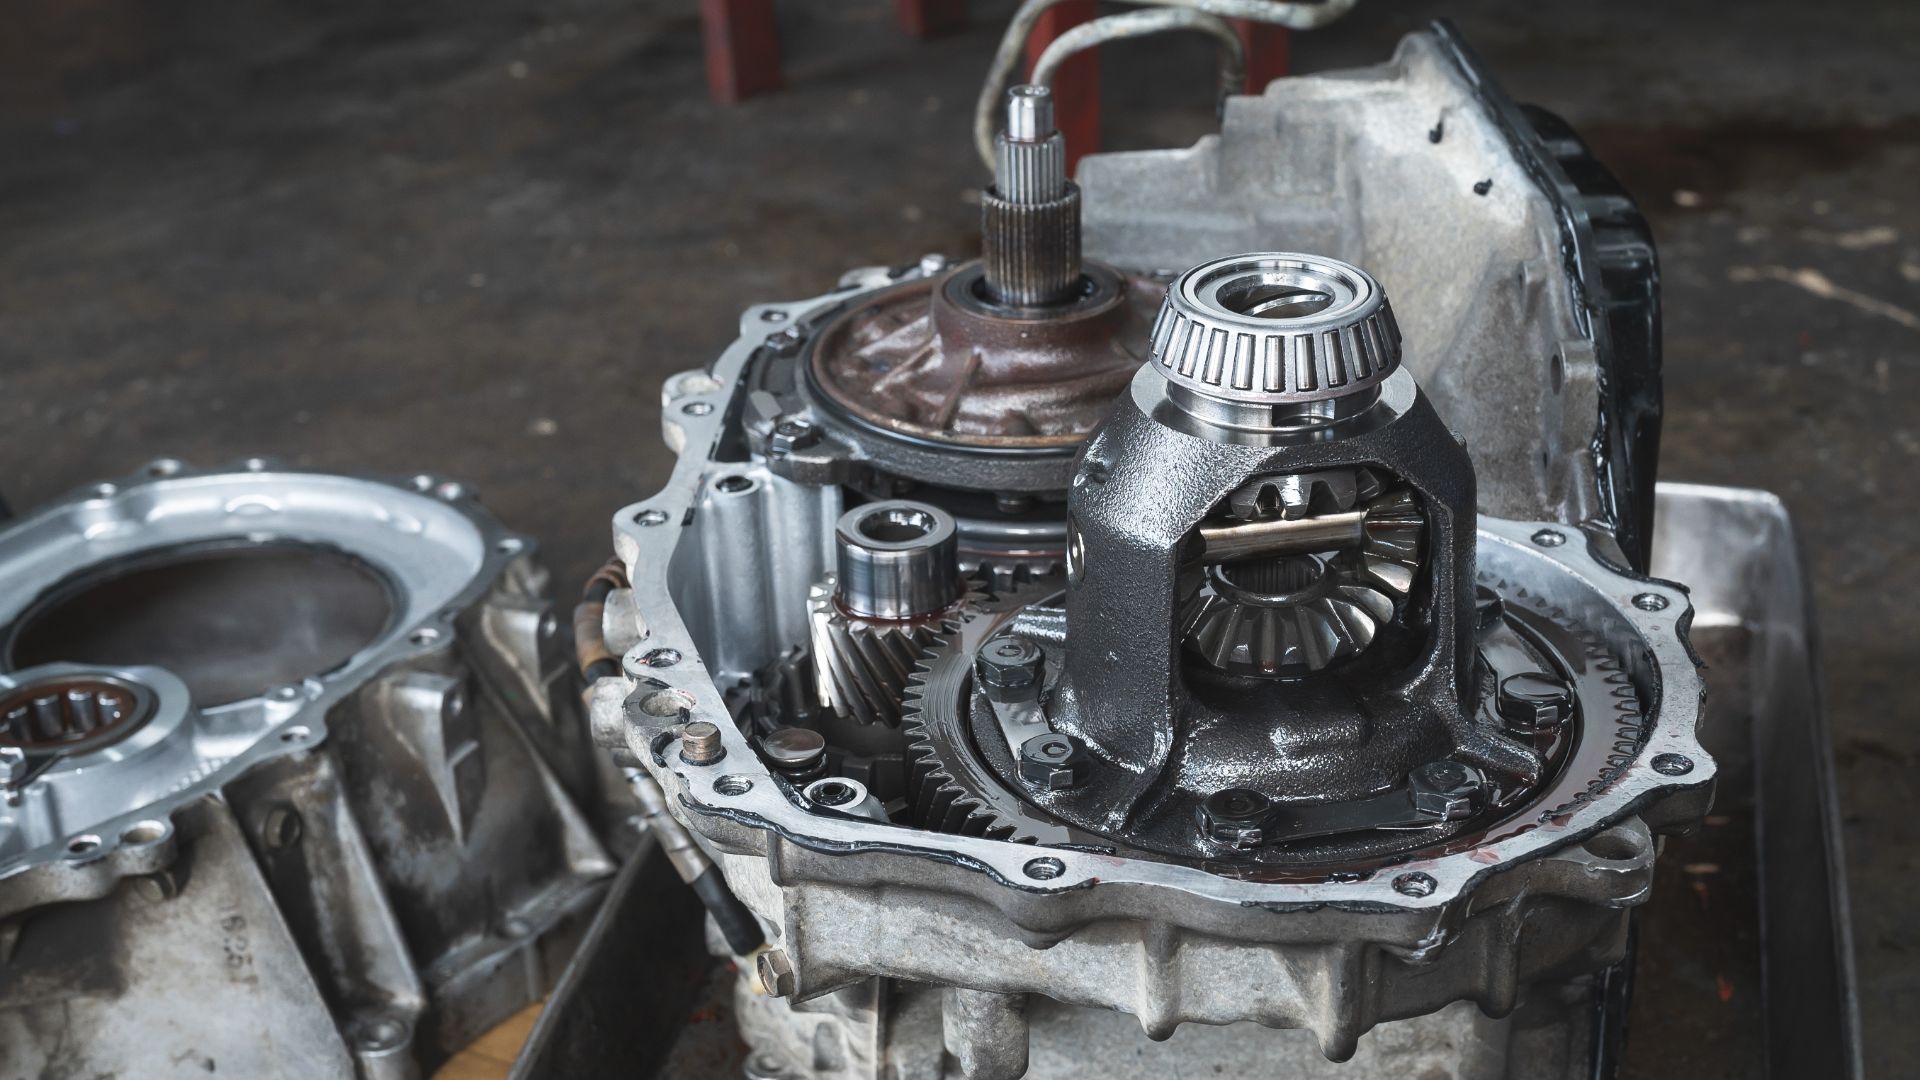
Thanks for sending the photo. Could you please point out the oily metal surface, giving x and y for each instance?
(145, 315)
(931, 360)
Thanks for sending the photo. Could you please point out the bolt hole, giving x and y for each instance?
(295, 734)
(1045, 869)
(734, 485)
(509, 546)
(144, 832)
(426, 635)
(650, 517)
(1648, 601)
(281, 829)
(733, 786)
(83, 845)
(1415, 884)
(1549, 538)
(1556, 372)
(660, 658)
(771, 315)
(832, 793)
(697, 408)
(1672, 764)
(665, 703)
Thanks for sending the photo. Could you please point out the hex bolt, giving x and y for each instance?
(700, 743)
(1053, 762)
(1009, 669)
(1236, 818)
(1534, 701)
(776, 973)
(785, 343)
(1447, 790)
(791, 433)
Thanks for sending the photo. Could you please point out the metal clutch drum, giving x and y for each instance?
(284, 745)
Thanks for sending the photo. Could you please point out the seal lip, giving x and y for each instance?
(1275, 328)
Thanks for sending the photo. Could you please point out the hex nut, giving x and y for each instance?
(1447, 790)
(1533, 701)
(1009, 669)
(1236, 818)
(1053, 762)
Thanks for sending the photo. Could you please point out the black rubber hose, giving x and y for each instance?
(736, 923)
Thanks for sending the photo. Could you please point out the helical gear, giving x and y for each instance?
(861, 666)
(950, 789)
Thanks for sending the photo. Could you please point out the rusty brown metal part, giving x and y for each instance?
(934, 360)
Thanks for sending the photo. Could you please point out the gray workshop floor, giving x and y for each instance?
(471, 237)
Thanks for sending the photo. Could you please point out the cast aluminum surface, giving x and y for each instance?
(1405, 169)
(1035, 895)
(1736, 549)
(435, 553)
(1516, 362)
(373, 863)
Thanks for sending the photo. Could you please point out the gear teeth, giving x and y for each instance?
(940, 801)
(862, 667)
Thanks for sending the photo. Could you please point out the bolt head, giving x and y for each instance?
(1533, 701)
(785, 343)
(776, 973)
(792, 433)
(793, 747)
(1236, 818)
(1009, 669)
(1447, 790)
(1053, 762)
(700, 743)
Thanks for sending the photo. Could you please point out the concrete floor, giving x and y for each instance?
(472, 237)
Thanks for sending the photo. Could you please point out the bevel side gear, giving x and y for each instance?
(1297, 614)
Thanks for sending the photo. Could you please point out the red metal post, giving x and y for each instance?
(743, 48)
(1269, 52)
(931, 18)
(1076, 87)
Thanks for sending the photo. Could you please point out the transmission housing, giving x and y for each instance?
(1222, 604)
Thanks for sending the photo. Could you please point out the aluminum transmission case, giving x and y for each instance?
(349, 826)
(1417, 171)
